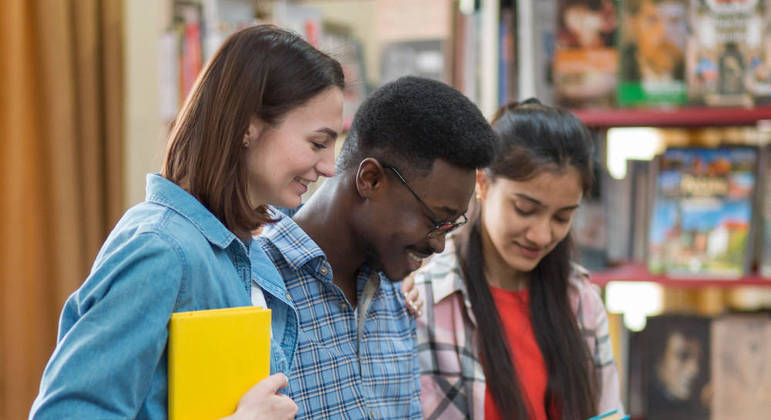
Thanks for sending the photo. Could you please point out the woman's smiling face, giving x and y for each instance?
(525, 220)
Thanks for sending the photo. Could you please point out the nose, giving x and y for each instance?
(326, 165)
(437, 244)
(540, 232)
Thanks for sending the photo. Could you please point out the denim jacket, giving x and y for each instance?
(167, 254)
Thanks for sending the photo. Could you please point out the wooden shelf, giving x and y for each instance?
(638, 272)
(673, 117)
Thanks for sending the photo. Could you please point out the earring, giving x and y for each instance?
(245, 143)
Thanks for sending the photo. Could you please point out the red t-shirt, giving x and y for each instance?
(514, 309)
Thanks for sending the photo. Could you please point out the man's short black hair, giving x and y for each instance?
(411, 122)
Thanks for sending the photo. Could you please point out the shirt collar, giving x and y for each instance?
(166, 193)
(291, 241)
(446, 277)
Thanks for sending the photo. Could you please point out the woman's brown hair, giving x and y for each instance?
(260, 71)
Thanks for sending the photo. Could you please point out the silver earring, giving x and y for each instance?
(245, 143)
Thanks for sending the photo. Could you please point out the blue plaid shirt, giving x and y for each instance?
(341, 369)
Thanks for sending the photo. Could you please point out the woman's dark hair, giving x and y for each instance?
(534, 138)
(260, 71)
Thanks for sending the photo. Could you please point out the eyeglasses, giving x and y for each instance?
(440, 228)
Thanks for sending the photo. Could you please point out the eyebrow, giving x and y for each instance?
(328, 131)
(538, 203)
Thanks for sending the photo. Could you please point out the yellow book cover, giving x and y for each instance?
(215, 356)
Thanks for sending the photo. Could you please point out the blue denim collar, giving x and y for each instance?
(168, 194)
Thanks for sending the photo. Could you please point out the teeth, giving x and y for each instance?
(414, 257)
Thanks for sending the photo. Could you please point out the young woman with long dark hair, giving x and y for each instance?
(512, 329)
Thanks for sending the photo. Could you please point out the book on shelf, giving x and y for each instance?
(700, 225)
(725, 51)
(301, 19)
(589, 229)
(536, 43)
(642, 174)
(652, 39)
(196, 30)
(765, 218)
(545, 40)
(507, 55)
(338, 42)
(585, 66)
(619, 337)
(617, 198)
(214, 357)
(191, 55)
(671, 374)
(759, 77)
(741, 376)
(465, 52)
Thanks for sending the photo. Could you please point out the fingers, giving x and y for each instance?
(408, 284)
(269, 385)
(286, 406)
(414, 302)
(263, 401)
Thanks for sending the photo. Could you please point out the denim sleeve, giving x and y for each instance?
(113, 332)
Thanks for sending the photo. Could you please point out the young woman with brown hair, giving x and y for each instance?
(258, 126)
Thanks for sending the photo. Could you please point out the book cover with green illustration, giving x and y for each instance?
(651, 46)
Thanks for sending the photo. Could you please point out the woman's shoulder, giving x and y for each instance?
(151, 222)
(441, 275)
(439, 267)
(584, 295)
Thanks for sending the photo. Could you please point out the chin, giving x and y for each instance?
(523, 265)
(290, 202)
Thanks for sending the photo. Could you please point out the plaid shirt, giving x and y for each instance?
(452, 378)
(352, 363)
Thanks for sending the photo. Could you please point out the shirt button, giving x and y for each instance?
(371, 414)
(288, 296)
(342, 306)
(324, 270)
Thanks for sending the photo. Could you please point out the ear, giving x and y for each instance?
(253, 130)
(482, 185)
(369, 177)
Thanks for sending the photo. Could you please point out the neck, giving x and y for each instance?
(326, 218)
(497, 272)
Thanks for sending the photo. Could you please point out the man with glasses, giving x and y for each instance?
(404, 179)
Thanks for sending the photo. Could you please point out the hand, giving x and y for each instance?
(263, 401)
(412, 297)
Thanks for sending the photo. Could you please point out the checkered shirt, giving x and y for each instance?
(341, 369)
(452, 378)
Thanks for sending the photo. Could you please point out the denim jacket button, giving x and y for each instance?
(324, 271)
(288, 296)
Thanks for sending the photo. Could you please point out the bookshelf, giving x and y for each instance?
(637, 272)
(673, 117)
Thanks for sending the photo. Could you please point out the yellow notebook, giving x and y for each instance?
(215, 356)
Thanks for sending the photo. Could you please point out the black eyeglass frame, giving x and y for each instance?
(440, 227)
